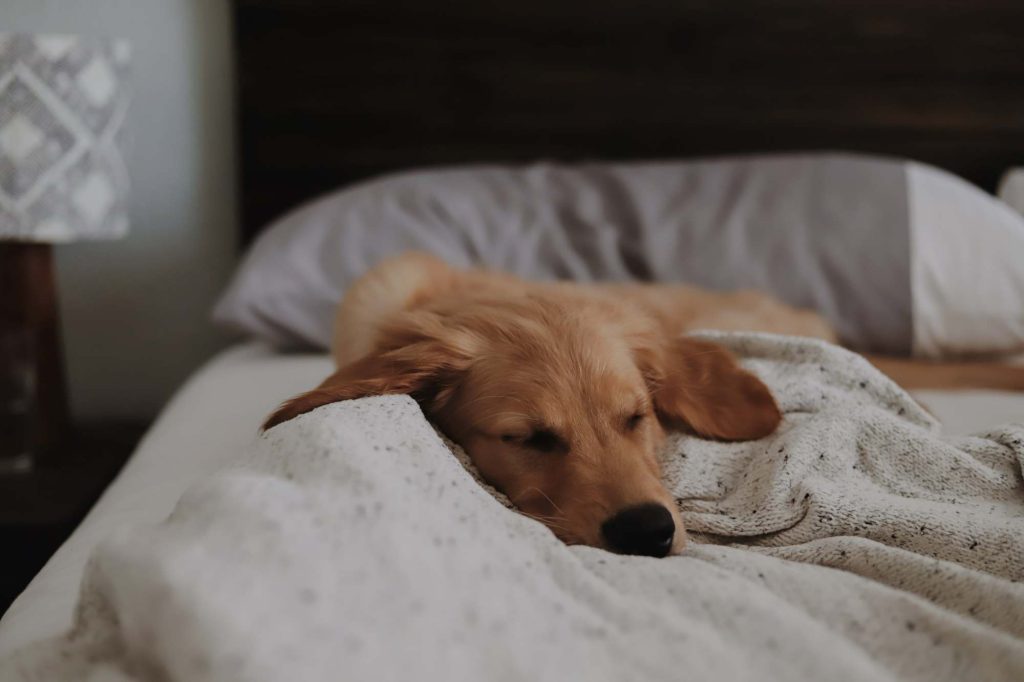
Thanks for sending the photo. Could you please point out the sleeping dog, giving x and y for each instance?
(560, 393)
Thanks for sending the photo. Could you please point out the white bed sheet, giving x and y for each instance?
(211, 418)
(215, 415)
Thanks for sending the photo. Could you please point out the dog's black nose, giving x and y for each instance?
(646, 529)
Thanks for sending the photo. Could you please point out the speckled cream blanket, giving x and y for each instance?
(857, 543)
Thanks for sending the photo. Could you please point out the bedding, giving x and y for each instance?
(860, 542)
(899, 256)
(213, 417)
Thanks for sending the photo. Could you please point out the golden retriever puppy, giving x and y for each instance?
(560, 393)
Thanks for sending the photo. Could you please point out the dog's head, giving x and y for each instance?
(560, 403)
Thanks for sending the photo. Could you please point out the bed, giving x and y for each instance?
(228, 396)
(210, 421)
(212, 418)
(381, 89)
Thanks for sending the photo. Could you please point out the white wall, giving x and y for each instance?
(135, 311)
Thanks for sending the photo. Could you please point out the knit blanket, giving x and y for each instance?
(856, 543)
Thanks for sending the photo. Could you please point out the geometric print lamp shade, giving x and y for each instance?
(63, 102)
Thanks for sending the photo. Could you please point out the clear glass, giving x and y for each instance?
(17, 400)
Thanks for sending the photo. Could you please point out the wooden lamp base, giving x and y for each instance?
(28, 301)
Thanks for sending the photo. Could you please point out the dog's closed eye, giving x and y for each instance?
(634, 421)
(539, 441)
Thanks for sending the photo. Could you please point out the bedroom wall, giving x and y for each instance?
(135, 311)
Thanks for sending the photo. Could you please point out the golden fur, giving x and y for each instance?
(558, 392)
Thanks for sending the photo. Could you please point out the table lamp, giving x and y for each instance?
(63, 101)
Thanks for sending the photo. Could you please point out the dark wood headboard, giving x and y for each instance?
(333, 91)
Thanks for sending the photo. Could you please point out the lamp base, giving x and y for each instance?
(29, 304)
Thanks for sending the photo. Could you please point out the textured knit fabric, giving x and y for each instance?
(856, 543)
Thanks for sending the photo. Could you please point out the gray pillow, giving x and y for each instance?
(833, 232)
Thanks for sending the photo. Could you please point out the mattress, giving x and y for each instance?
(215, 416)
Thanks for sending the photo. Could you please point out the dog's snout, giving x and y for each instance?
(646, 529)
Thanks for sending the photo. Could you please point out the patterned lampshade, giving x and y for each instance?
(63, 101)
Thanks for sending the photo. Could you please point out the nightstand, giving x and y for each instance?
(39, 509)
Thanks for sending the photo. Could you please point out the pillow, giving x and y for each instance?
(1011, 189)
(967, 267)
(899, 256)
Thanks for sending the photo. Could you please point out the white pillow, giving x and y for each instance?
(967, 277)
(899, 256)
(1011, 189)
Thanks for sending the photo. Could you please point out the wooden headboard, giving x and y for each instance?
(333, 91)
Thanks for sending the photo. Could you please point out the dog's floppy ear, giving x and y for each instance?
(416, 356)
(701, 383)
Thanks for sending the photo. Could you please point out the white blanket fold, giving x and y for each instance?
(856, 543)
